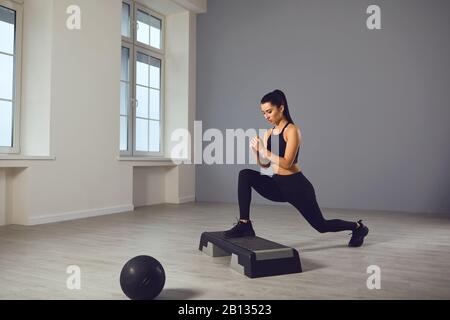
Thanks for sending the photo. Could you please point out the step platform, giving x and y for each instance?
(254, 257)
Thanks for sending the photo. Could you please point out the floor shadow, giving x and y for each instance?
(311, 249)
(177, 294)
(337, 246)
(309, 265)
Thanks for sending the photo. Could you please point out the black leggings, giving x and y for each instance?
(295, 189)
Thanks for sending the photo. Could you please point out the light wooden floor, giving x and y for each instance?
(412, 250)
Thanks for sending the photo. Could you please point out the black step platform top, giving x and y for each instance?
(248, 243)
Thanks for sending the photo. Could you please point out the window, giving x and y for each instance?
(10, 58)
(142, 81)
(148, 29)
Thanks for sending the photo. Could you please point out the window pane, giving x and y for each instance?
(142, 96)
(143, 27)
(126, 21)
(142, 69)
(141, 135)
(123, 133)
(155, 32)
(154, 136)
(125, 64)
(149, 29)
(7, 30)
(154, 104)
(124, 98)
(155, 73)
(6, 76)
(6, 124)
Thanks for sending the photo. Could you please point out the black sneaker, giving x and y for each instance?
(241, 229)
(358, 235)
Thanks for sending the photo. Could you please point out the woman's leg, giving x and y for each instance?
(263, 184)
(312, 213)
(299, 192)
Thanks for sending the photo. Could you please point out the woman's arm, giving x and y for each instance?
(292, 144)
(254, 147)
(263, 165)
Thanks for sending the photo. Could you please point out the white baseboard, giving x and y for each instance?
(186, 199)
(78, 215)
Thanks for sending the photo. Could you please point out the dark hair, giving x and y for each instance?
(278, 99)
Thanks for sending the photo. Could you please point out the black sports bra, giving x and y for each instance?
(279, 145)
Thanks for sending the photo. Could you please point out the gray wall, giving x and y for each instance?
(373, 106)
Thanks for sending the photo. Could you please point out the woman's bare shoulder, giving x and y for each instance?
(292, 128)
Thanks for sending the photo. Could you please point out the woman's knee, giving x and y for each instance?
(246, 174)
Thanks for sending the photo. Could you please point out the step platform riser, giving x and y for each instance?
(254, 257)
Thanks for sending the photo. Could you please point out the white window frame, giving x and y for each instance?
(18, 8)
(135, 47)
(129, 39)
(130, 99)
(161, 104)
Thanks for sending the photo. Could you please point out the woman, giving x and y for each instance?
(288, 184)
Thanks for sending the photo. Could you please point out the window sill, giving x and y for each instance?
(19, 157)
(18, 161)
(149, 161)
